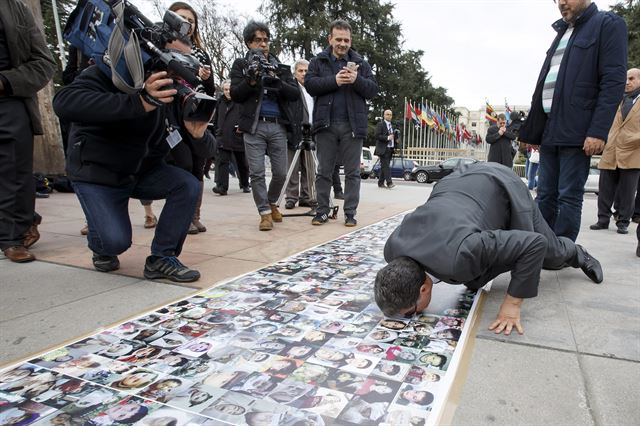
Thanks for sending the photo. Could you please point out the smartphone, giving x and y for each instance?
(352, 66)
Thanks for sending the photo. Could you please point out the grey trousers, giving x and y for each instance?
(298, 186)
(269, 139)
(522, 253)
(337, 141)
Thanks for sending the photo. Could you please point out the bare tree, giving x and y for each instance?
(221, 33)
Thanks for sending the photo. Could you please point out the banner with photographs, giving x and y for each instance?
(299, 342)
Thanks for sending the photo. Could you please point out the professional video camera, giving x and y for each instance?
(127, 46)
(517, 119)
(260, 68)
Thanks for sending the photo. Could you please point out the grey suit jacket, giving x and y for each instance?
(31, 63)
(478, 223)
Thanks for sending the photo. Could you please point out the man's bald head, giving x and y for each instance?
(387, 115)
(633, 80)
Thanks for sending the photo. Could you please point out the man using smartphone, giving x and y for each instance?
(341, 81)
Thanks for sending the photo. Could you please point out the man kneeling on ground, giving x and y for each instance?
(116, 152)
(479, 222)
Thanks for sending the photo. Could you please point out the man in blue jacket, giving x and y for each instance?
(342, 81)
(576, 96)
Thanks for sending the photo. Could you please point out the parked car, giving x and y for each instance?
(400, 167)
(428, 174)
(366, 162)
(593, 180)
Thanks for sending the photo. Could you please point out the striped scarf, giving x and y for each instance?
(552, 75)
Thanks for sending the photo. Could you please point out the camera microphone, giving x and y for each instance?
(183, 72)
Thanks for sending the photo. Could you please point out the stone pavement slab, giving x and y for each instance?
(50, 304)
(613, 390)
(544, 318)
(510, 384)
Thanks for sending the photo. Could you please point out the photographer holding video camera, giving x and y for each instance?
(263, 87)
(117, 147)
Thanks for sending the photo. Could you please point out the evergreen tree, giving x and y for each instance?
(300, 29)
(629, 10)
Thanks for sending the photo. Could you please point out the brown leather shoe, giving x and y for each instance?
(275, 213)
(266, 222)
(150, 221)
(18, 254)
(32, 235)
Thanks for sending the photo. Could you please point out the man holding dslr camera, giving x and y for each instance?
(263, 87)
(116, 152)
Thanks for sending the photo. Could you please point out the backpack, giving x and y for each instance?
(97, 28)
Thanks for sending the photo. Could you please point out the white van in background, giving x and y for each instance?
(367, 160)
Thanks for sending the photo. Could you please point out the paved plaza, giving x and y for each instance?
(577, 363)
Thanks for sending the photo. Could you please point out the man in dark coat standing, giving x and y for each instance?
(499, 137)
(479, 222)
(576, 97)
(26, 66)
(341, 81)
(230, 142)
(385, 145)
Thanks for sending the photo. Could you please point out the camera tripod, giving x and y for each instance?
(307, 148)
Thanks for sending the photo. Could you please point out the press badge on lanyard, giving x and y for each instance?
(174, 137)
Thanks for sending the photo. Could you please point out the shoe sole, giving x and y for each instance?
(27, 260)
(100, 269)
(160, 276)
(350, 225)
(318, 223)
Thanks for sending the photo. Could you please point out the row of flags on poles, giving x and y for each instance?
(434, 118)
(490, 112)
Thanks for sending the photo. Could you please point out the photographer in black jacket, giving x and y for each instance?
(263, 87)
(116, 152)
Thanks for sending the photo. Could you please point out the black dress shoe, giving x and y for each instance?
(598, 226)
(339, 195)
(289, 204)
(622, 228)
(246, 189)
(589, 265)
(306, 204)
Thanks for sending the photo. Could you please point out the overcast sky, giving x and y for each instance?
(476, 49)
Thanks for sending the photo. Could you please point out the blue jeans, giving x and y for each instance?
(107, 210)
(563, 173)
(532, 171)
(269, 139)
